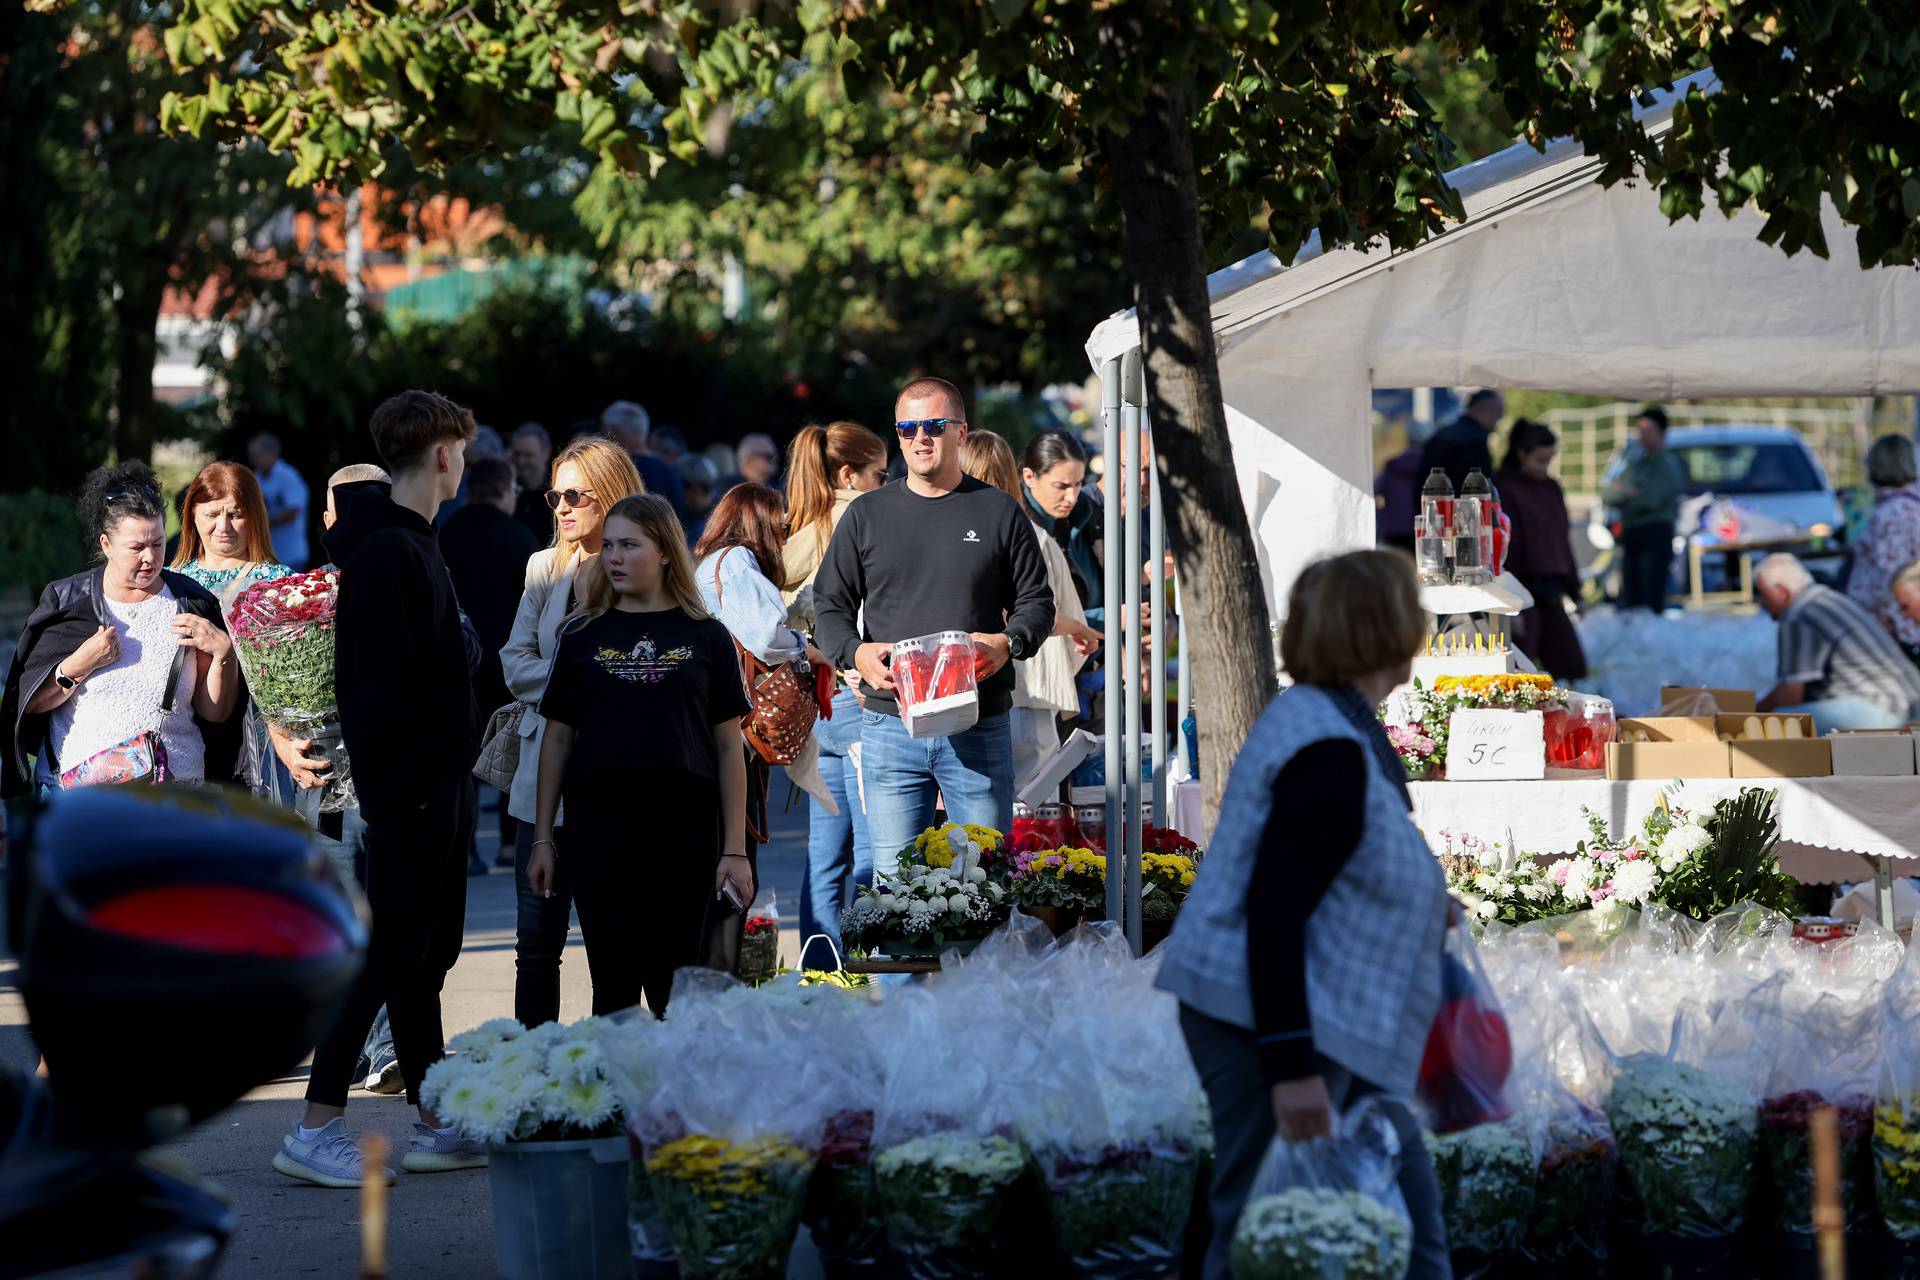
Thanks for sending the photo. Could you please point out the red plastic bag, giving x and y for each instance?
(1469, 1054)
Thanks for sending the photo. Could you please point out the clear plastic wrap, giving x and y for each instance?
(1469, 1054)
(1486, 1176)
(729, 1119)
(1114, 1136)
(1827, 1054)
(1896, 1116)
(283, 635)
(1328, 1209)
(946, 1152)
(934, 683)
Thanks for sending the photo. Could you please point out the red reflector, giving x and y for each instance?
(220, 918)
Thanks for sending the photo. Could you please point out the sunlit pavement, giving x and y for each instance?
(441, 1224)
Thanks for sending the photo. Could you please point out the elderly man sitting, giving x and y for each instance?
(1837, 663)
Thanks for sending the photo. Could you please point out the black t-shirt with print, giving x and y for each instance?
(643, 692)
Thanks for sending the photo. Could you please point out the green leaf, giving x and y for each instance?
(417, 76)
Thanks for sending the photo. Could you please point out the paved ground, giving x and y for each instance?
(441, 1224)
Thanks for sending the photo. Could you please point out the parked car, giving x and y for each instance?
(1744, 483)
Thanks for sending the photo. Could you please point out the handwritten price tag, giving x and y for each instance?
(1488, 746)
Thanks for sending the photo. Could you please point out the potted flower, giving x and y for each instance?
(557, 1164)
(1060, 886)
(759, 957)
(948, 894)
(732, 1206)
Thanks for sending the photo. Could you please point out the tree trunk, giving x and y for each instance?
(136, 347)
(1225, 605)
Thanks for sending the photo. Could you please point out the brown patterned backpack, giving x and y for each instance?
(782, 696)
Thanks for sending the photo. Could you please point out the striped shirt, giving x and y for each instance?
(1839, 650)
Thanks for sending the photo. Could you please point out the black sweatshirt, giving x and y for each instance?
(1315, 824)
(401, 676)
(968, 560)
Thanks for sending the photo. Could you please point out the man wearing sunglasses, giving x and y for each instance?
(935, 551)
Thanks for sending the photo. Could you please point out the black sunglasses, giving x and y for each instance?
(934, 427)
(131, 491)
(572, 497)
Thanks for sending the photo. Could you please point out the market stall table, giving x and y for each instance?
(1832, 829)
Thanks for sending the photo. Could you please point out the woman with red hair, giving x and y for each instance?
(225, 544)
(226, 547)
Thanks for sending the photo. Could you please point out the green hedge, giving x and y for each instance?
(39, 540)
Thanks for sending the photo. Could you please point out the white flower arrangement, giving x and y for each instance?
(1486, 1177)
(1315, 1233)
(926, 904)
(508, 1084)
(1497, 881)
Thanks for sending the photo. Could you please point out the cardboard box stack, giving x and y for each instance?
(1726, 739)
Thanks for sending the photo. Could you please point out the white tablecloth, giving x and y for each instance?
(1828, 826)
(1187, 811)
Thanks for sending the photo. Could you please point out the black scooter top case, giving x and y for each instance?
(178, 945)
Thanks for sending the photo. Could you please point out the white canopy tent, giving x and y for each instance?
(1552, 282)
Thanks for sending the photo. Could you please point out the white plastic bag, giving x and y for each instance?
(1328, 1209)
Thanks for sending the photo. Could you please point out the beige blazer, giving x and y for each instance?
(527, 660)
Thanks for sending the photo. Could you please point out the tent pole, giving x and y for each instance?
(1157, 634)
(1110, 648)
(1130, 434)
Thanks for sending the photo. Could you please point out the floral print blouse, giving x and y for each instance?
(1892, 543)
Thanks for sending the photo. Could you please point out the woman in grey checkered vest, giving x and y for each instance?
(1324, 991)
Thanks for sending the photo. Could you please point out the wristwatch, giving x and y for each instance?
(1017, 647)
(64, 680)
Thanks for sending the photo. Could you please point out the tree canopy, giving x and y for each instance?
(1203, 116)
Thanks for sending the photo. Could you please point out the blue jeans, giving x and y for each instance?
(971, 771)
(1845, 713)
(349, 856)
(838, 853)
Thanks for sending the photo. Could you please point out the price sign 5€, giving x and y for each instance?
(1496, 745)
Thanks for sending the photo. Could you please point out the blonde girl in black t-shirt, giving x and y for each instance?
(643, 742)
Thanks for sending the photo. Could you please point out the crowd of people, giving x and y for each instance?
(619, 634)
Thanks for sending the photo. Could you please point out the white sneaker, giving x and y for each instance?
(384, 1077)
(434, 1152)
(329, 1159)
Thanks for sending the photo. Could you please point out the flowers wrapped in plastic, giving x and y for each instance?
(946, 1154)
(1115, 1137)
(1486, 1176)
(727, 1124)
(1896, 1117)
(1328, 1209)
(1827, 1054)
(282, 632)
(943, 895)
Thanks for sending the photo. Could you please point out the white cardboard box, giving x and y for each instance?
(1874, 755)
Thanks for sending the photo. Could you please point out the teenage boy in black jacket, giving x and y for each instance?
(936, 551)
(410, 726)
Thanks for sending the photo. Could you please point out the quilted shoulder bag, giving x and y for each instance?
(500, 748)
(782, 696)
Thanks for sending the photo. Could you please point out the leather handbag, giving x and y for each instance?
(782, 697)
(500, 748)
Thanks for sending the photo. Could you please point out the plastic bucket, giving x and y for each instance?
(560, 1209)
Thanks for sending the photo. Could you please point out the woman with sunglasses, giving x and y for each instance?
(590, 475)
(123, 669)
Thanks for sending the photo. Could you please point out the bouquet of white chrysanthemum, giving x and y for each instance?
(1686, 1144)
(1486, 1177)
(1329, 1208)
(508, 1084)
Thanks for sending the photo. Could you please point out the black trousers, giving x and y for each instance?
(540, 934)
(1646, 563)
(417, 892)
(724, 924)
